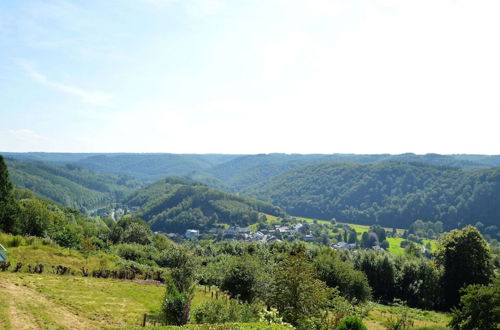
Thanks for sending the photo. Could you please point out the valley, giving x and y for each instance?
(228, 238)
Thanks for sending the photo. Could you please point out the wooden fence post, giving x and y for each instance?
(144, 320)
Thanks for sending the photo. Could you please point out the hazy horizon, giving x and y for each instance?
(238, 154)
(250, 77)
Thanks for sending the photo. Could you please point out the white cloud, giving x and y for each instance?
(91, 97)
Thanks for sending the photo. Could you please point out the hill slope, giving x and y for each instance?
(70, 185)
(177, 204)
(247, 170)
(392, 194)
(152, 167)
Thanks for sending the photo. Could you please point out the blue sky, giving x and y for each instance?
(250, 76)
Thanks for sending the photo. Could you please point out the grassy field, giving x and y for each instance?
(394, 245)
(379, 316)
(36, 251)
(54, 302)
(309, 220)
(394, 242)
(50, 301)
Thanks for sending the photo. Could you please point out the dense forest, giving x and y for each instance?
(235, 171)
(70, 185)
(244, 171)
(392, 190)
(392, 194)
(177, 204)
(144, 167)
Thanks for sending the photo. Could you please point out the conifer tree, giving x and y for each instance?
(8, 204)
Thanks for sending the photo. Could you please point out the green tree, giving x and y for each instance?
(137, 233)
(298, 295)
(413, 250)
(176, 303)
(69, 237)
(479, 308)
(36, 219)
(465, 259)
(241, 278)
(8, 205)
(351, 283)
(385, 244)
(87, 248)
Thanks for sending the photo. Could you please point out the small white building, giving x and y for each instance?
(190, 233)
(309, 238)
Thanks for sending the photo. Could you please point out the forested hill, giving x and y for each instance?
(233, 172)
(244, 171)
(70, 185)
(393, 194)
(152, 167)
(177, 204)
(146, 167)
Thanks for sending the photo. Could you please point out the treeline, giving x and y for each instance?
(70, 185)
(177, 204)
(312, 287)
(390, 194)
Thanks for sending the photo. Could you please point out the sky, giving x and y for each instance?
(250, 76)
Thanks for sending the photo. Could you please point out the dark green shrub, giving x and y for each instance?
(134, 252)
(352, 284)
(351, 323)
(16, 241)
(479, 308)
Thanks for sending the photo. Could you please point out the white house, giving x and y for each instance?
(190, 233)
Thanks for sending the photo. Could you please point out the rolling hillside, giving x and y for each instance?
(176, 204)
(233, 172)
(242, 172)
(70, 185)
(392, 194)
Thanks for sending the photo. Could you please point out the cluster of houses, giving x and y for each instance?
(273, 234)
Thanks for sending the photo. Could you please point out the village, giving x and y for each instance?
(306, 232)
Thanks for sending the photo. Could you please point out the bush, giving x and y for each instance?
(479, 308)
(241, 278)
(134, 252)
(351, 323)
(16, 241)
(352, 284)
(225, 311)
(176, 304)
